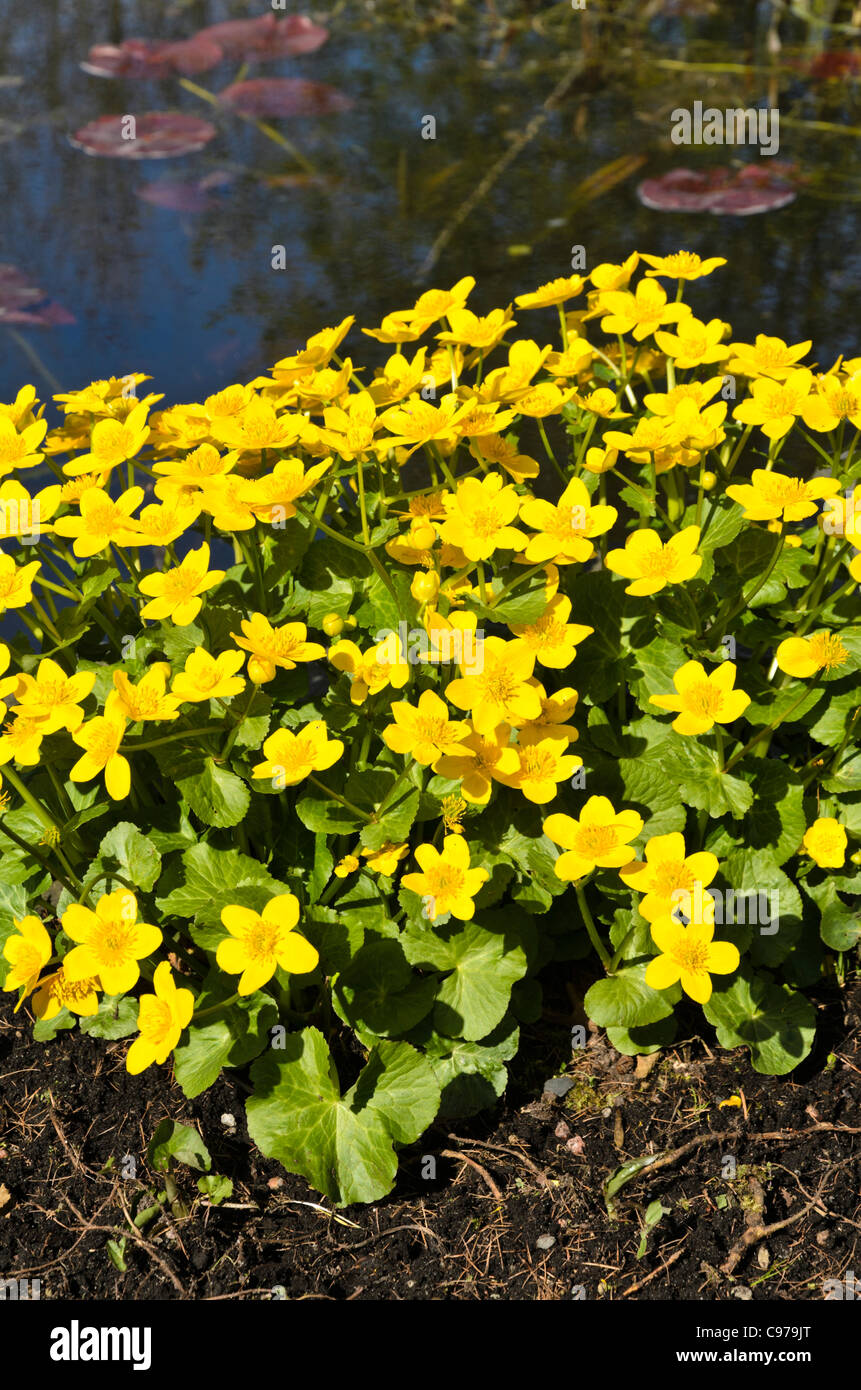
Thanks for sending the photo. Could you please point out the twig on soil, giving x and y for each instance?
(504, 1148)
(662, 1269)
(462, 1158)
(134, 1235)
(754, 1234)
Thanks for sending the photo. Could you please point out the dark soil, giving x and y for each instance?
(762, 1198)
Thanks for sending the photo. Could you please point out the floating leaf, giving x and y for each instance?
(22, 302)
(152, 58)
(266, 37)
(284, 96)
(154, 135)
(184, 196)
(721, 190)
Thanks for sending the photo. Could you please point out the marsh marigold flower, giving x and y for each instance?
(553, 293)
(101, 738)
(551, 637)
(386, 859)
(291, 757)
(425, 732)
(161, 1019)
(768, 357)
(690, 957)
(495, 688)
(651, 565)
(175, 594)
(28, 950)
(147, 699)
(639, 313)
(479, 517)
(271, 647)
(543, 761)
(681, 265)
(207, 677)
(694, 344)
(112, 442)
(16, 584)
(600, 839)
(769, 496)
(804, 656)
(775, 405)
(668, 877)
(110, 942)
(21, 740)
(102, 521)
(826, 842)
(834, 399)
(565, 529)
(446, 879)
(55, 992)
(703, 700)
(373, 670)
(54, 697)
(478, 761)
(262, 942)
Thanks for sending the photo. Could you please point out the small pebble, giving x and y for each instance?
(742, 1292)
(228, 1121)
(558, 1085)
(545, 1242)
(275, 1183)
(561, 1131)
(605, 1114)
(575, 1145)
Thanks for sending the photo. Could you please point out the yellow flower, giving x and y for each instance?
(804, 656)
(27, 953)
(551, 637)
(110, 940)
(544, 399)
(290, 758)
(834, 399)
(425, 732)
(770, 357)
(774, 405)
(385, 860)
(373, 670)
(207, 677)
(703, 700)
(566, 528)
(21, 740)
(453, 810)
(479, 761)
(667, 402)
(668, 877)
(55, 992)
(147, 699)
(695, 343)
(175, 594)
(53, 697)
(165, 523)
(511, 382)
(446, 879)
(826, 842)
(102, 397)
(599, 460)
(651, 435)
(22, 406)
(7, 683)
(543, 761)
(258, 427)
(682, 265)
(472, 330)
(101, 738)
(20, 450)
(271, 647)
(553, 293)
(272, 499)
(183, 475)
(397, 378)
(398, 328)
(479, 517)
(495, 687)
(770, 495)
(161, 1019)
(556, 709)
(652, 565)
(689, 956)
(346, 866)
(639, 313)
(492, 448)
(600, 839)
(101, 521)
(417, 422)
(261, 943)
(112, 442)
(16, 585)
(435, 304)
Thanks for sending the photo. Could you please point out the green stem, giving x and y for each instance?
(590, 926)
(336, 796)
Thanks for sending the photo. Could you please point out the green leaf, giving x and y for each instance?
(215, 794)
(483, 967)
(379, 991)
(215, 878)
(343, 1145)
(694, 770)
(117, 1017)
(323, 814)
(180, 1143)
(229, 1039)
(776, 1023)
(640, 1042)
(764, 899)
(134, 856)
(472, 1075)
(776, 820)
(624, 1000)
(216, 1187)
(839, 925)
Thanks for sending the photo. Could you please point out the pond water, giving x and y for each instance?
(191, 296)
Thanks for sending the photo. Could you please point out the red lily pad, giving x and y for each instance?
(185, 196)
(157, 135)
(721, 190)
(266, 37)
(284, 96)
(150, 58)
(24, 303)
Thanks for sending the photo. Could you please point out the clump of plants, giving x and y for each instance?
(340, 706)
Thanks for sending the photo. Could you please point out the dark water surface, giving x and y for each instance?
(192, 298)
